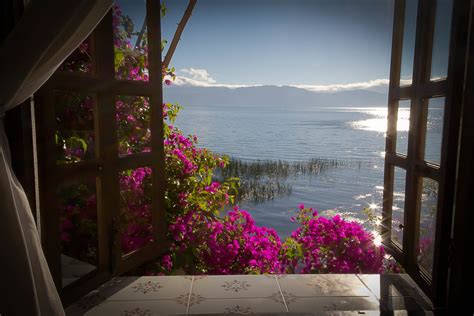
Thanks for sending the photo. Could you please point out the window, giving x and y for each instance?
(86, 155)
(417, 225)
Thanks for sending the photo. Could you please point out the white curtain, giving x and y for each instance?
(46, 34)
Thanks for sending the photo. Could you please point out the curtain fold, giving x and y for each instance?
(45, 35)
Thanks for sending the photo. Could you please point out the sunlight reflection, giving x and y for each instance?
(373, 206)
(377, 238)
(378, 120)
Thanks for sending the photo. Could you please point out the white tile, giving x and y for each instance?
(98, 295)
(73, 269)
(115, 285)
(395, 285)
(324, 304)
(237, 306)
(155, 288)
(401, 303)
(310, 285)
(138, 308)
(235, 286)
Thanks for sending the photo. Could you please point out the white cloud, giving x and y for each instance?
(200, 75)
(345, 86)
(201, 78)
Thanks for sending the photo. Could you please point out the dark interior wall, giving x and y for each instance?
(462, 268)
(6, 21)
(10, 11)
(18, 120)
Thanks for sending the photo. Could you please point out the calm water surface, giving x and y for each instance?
(293, 134)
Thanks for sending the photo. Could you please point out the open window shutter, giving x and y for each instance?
(84, 203)
(420, 164)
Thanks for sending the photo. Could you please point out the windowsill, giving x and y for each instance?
(307, 294)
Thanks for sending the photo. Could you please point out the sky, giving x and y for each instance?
(314, 44)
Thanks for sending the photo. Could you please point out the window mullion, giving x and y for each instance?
(421, 66)
(157, 137)
(49, 219)
(107, 145)
(390, 141)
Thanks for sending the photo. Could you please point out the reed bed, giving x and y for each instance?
(264, 180)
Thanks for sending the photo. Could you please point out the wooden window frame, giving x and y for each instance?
(107, 164)
(419, 92)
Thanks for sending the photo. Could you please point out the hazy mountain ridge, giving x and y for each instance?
(271, 96)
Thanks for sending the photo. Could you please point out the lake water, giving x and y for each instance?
(352, 135)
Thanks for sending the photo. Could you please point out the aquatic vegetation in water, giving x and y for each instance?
(264, 180)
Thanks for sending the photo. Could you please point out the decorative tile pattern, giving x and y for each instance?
(238, 306)
(137, 308)
(329, 304)
(196, 299)
(183, 299)
(252, 294)
(289, 297)
(310, 285)
(154, 288)
(147, 287)
(326, 285)
(237, 309)
(235, 285)
(137, 312)
(277, 297)
(115, 285)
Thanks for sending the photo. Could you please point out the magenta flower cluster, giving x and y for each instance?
(332, 245)
(232, 244)
(137, 230)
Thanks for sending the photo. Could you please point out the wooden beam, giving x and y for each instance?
(159, 222)
(179, 32)
(456, 185)
(390, 142)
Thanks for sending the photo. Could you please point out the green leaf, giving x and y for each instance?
(119, 57)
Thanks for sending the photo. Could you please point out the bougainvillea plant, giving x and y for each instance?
(322, 245)
(208, 234)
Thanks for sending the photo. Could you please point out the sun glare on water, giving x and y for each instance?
(377, 238)
(378, 120)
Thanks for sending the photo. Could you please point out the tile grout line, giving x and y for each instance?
(190, 293)
(281, 293)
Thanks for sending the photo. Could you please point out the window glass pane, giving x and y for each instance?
(442, 33)
(403, 125)
(428, 208)
(133, 124)
(74, 135)
(408, 50)
(434, 130)
(131, 57)
(398, 213)
(135, 210)
(80, 59)
(78, 229)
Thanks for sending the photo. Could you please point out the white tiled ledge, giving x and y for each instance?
(254, 294)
